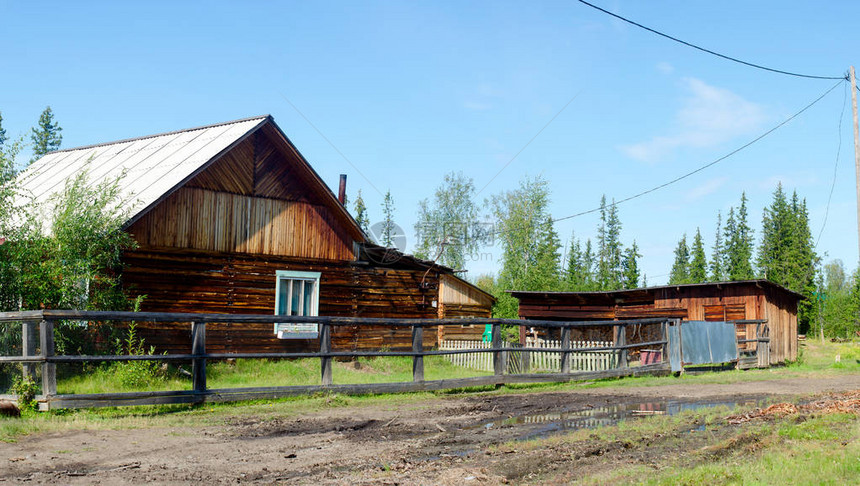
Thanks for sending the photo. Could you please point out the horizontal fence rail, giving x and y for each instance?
(535, 360)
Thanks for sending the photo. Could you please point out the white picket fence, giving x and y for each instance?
(475, 361)
(538, 360)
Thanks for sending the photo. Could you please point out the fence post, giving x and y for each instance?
(29, 338)
(499, 359)
(417, 347)
(325, 348)
(565, 353)
(621, 340)
(198, 348)
(49, 370)
(665, 353)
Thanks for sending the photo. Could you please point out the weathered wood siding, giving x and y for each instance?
(459, 299)
(194, 281)
(696, 303)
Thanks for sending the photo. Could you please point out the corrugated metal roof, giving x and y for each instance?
(147, 168)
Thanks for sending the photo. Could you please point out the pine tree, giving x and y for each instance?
(739, 244)
(386, 235)
(680, 273)
(777, 235)
(588, 266)
(786, 253)
(574, 271)
(609, 248)
(717, 257)
(698, 261)
(46, 136)
(361, 212)
(631, 266)
(804, 262)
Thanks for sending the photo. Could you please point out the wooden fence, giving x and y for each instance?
(548, 360)
(38, 331)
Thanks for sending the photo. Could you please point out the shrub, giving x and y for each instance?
(135, 374)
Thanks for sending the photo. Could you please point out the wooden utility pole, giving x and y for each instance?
(856, 151)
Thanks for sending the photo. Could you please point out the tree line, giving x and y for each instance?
(452, 226)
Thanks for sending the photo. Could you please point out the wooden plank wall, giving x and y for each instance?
(459, 299)
(192, 281)
(728, 302)
(203, 219)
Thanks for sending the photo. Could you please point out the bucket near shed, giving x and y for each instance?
(650, 356)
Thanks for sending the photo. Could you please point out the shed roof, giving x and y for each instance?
(643, 292)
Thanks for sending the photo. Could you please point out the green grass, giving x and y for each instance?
(261, 373)
(822, 450)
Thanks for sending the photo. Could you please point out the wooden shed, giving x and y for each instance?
(722, 301)
(231, 218)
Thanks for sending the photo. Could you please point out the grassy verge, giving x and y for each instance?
(819, 361)
(260, 373)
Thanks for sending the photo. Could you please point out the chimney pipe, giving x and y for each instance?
(341, 192)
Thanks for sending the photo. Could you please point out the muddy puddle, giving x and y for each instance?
(526, 427)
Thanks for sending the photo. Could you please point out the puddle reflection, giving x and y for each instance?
(543, 425)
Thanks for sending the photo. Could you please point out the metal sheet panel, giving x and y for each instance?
(674, 338)
(704, 342)
(147, 168)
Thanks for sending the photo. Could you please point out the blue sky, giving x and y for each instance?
(408, 91)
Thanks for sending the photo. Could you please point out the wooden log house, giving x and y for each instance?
(723, 301)
(230, 218)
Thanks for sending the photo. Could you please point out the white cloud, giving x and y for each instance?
(708, 187)
(665, 68)
(477, 106)
(709, 116)
(483, 97)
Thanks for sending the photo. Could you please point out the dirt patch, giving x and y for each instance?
(444, 440)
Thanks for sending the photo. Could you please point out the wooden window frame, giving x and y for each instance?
(296, 330)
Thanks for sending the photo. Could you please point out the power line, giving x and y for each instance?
(528, 143)
(724, 157)
(694, 46)
(835, 167)
(688, 174)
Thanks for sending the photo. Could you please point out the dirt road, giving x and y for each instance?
(445, 440)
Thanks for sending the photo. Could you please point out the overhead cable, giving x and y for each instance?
(724, 157)
(694, 46)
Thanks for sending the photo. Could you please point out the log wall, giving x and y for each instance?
(191, 281)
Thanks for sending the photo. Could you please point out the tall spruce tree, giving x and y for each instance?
(630, 264)
(717, 270)
(739, 244)
(588, 265)
(680, 273)
(46, 135)
(360, 209)
(386, 235)
(609, 248)
(574, 269)
(804, 263)
(786, 253)
(698, 262)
